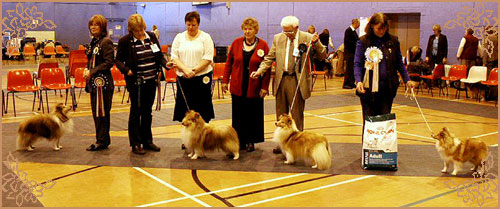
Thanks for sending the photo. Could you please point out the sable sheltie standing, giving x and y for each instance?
(199, 137)
(50, 126)
(296, 144)
(459, 151)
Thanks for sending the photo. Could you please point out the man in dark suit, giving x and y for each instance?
(350, 39)
(437, 48)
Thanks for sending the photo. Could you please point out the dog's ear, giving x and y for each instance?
(196, 115)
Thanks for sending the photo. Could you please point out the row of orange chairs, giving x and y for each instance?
(457, 73)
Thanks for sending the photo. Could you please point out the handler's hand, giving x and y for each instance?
(255, 75)
(360, 88)
(263, 93)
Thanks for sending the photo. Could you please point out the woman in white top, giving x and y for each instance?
(193, 53)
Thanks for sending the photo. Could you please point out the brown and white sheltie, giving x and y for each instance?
(50, 126)
(199, 137)
(296, 144)
(459, 151)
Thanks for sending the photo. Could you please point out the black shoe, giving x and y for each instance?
(94, 147)
(348, 87)
(183, 146)
(277, 150)
(151, 147)
(250, 147)
(243, 147)
(138, 150)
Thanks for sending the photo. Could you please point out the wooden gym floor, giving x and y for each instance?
(116, 177)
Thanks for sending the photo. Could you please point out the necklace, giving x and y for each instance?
(246, 43)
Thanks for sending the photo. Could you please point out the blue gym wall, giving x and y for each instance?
(223, 23)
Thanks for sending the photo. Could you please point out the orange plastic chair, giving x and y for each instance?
(315, 75)
(80, 82)
(20, 81)
(492, 81)
(49, 50)
(118, 79)
(53, 79)
(29, 51)
(60, 50)
(217, 77)
(456, 73)
(164, 49)
(170, 78)
(81, 47)
(436, 76)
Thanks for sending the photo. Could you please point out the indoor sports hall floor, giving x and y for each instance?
(117, 177)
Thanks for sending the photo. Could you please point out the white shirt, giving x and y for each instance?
(145, 37)
(295, 46)
(462, 44)
(192, 52)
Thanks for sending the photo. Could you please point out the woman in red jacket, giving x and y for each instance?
(245, 55)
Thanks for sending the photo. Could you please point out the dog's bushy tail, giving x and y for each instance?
(321, 154)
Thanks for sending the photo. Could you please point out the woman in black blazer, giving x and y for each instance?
(140, 59)
(99, 80)
(436, 55)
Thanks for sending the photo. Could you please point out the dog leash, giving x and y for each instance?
(300, 77)
(418, 105)
(184, 96)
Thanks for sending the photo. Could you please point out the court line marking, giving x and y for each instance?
(306, 191)
(223, 190)
(496, 132)
(360, 124)
(172, 187)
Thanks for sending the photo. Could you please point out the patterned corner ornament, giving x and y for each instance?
(481, 187)
(477, 19)
(17, 185)
(20, 20)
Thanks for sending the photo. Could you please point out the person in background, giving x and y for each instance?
(140, 59)
(377, 93)
(311, 29)
(350, 39)
(245, 55)
(437, 48)
(101, 58)
(156, 32)
(490, 48)
(468, 49)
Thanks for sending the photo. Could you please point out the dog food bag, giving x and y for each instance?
(380, 145)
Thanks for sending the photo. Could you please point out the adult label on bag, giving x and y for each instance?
(380, 148)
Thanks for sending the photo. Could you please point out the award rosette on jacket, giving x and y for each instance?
(380, 145)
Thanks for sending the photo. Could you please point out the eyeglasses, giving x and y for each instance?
(288, 32)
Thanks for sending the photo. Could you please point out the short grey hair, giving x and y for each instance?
(290, 21)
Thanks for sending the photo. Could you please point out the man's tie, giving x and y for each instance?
(291, 59)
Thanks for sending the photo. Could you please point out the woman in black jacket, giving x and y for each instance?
(140, 59)
(99, 80)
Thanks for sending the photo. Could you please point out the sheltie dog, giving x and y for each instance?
(459, 151)
(50, 126)
(296, 144)
(199, 137)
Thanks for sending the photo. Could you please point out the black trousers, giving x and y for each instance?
(433, 60)
(198, 94)
(102, 123)
(378, 103)
(141, 117)
(349, 70)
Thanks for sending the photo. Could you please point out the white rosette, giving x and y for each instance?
(373, 57)
(260, 53)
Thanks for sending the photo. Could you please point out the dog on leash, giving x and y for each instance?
(51, 126)
(459, 151)
(199, 137)
(296, 144)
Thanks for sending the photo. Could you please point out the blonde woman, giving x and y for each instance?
(140, 59)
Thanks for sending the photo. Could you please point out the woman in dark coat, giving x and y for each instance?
(99, 80)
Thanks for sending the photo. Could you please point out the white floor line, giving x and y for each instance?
(172, 187)
(357, 111)
(223, 190)
(495, 145)
(360, 124)
(306, 191)
(496, 132)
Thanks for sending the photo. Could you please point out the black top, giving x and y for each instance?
(102, 49)
(350, 39)
(246, 74)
